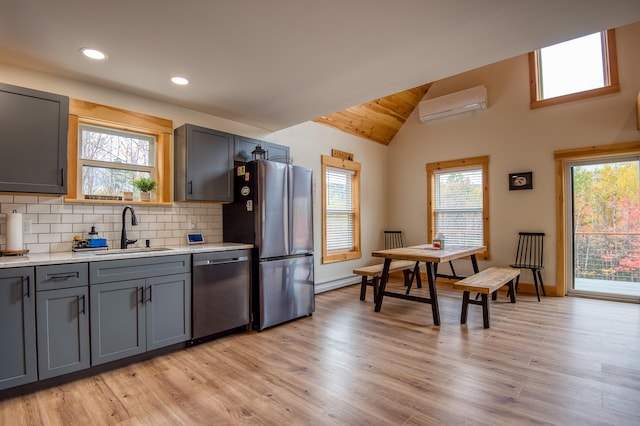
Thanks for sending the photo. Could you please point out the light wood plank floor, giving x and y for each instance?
(565, 361)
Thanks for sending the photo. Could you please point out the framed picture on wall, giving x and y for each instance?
(522, 180)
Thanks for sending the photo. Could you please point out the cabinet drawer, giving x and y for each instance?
(51, 277)
(140, 268)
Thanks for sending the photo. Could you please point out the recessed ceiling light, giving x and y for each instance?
(93, 53)
(179, 80)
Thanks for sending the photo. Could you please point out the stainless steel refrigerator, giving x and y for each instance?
(273, 211)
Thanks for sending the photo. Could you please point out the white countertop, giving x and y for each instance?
(92, 256)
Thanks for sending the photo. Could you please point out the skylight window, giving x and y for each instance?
(573, 66)
(581, 68)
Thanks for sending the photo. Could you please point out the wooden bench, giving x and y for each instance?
(486, 282)
(371, 275)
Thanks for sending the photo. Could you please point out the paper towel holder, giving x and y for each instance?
(19, 252)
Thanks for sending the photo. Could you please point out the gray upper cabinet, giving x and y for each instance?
(18, 364)
(33, 138)
(203, 164)
(62, 315)
(244, 146)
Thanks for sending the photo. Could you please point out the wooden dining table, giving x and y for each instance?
(432, 257)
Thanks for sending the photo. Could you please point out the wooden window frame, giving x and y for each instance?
(453, 165)
(610, 62)
(116, 118)
(356, 252)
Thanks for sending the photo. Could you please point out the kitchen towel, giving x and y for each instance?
(14, 231)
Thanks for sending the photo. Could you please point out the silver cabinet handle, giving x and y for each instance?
(221, 261)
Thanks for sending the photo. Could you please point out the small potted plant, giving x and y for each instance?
(145, 185)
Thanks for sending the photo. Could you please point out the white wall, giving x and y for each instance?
(308, 141)
(55, 222)
(516, 139)
(393, 177)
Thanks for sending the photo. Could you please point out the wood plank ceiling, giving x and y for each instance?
(378, 120)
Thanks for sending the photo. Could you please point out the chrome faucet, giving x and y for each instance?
(124, 242)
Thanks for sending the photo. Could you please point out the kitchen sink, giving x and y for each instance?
(131, 250)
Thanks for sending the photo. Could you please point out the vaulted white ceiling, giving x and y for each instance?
(276, 63)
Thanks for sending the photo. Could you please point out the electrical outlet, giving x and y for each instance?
(192, 223)
(26, 226)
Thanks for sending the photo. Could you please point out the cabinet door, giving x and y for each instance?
(117, 320)
(168, 310)
(63, 331)
(33, 125)
(17, 327)
(278, 153)
(244, 146)
(208, 164)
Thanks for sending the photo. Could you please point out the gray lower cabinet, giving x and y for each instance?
(117, 320)
(139, 305)
(168, 310)
(62, 316)
(18, 363)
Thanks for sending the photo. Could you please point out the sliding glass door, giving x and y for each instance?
(605, 215)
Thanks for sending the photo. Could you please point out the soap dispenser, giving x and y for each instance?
(94, 241)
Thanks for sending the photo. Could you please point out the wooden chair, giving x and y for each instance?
(393, 239)
(529, 256)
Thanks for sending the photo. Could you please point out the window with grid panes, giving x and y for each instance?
(458, 202)
(110, 147)
(111, 159)
(341, 210)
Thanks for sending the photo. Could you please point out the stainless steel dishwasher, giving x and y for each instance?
(221, 292)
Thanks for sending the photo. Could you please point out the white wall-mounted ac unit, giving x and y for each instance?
(455, 103)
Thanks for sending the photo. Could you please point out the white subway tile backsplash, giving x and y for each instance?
(61, 227)
(164, 234)
(54, 223)
(71, 218)
(49, 238)
(39, 248)
(49, 218)
(82, 209)
(172, 226)
(9, 207)
(40, 228)
(38, 208)
(104, 209)
(47, 199)
(61, 208)
(26, 199)
(95, 219)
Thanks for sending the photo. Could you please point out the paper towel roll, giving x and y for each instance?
(14, 231)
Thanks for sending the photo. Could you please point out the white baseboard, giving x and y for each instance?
(338, 283)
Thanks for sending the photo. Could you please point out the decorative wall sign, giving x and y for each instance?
(342, 154)
(522, 180)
